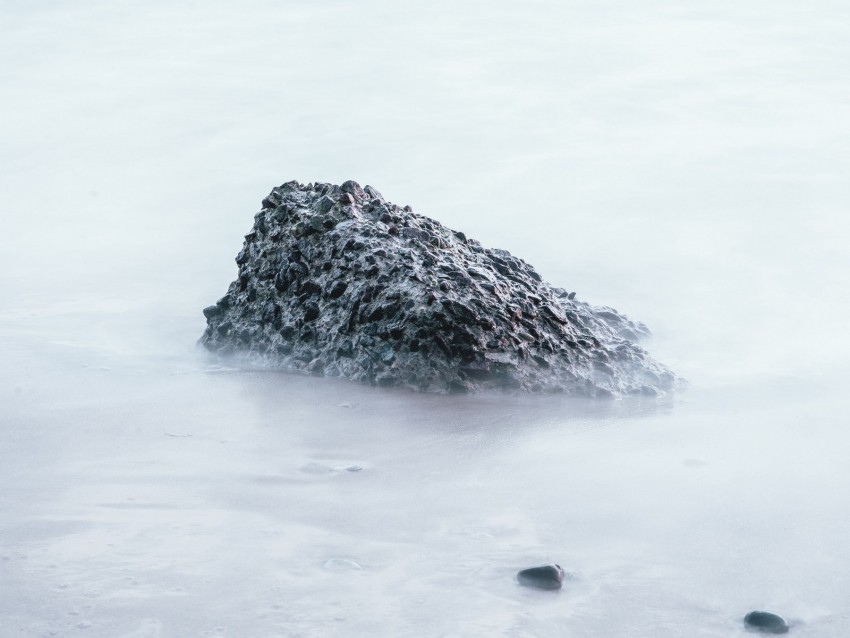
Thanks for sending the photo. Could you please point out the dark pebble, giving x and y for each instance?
(766, 622)
(543, 577)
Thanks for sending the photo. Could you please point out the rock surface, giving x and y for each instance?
(766, 622)
(543, 577)
(335, 280)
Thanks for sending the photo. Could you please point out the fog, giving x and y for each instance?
(684, 163)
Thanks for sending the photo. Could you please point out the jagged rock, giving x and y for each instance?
(335, 280)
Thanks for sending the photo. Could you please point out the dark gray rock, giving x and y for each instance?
(334, 280)
(766, 622)
(543, 577)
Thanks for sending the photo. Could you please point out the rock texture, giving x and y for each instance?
(335, 280)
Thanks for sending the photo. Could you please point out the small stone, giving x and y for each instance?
(766, 622)
(543, 577)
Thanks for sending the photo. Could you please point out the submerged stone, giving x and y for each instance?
(766, 622)
(543, 577)
(334, 280)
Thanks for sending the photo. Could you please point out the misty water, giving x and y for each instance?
(685, 163)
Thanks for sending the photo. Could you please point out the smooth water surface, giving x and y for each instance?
(684, 163)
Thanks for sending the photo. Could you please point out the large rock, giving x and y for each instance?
(335, 280)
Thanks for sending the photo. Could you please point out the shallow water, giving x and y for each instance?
(686, 166)
(176, 498)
